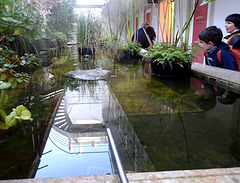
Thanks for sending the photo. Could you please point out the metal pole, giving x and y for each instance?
(122, 175)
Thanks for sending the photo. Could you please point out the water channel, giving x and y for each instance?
(158, 124)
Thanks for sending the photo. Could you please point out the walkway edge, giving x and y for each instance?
(222, 77)
(222, 175)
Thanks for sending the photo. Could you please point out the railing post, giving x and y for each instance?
(122, 175)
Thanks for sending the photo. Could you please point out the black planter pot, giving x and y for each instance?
(86, 50)
(169, 71)
(128, 54)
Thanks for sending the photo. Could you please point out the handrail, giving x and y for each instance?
(122, 175)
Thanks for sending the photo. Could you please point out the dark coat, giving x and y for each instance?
(227, 58)
(141, 36)
(233, 39)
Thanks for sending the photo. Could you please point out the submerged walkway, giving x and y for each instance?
(223, 77)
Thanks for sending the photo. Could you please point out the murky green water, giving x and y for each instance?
(177, 128)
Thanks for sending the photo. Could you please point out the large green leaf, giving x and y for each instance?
(206, 2)
(36, 36)
(3, 114)
(19, 31)
(10, 120)
(3, 76)
(26, 115)
(22, 113)
(4, 85)
(3, 126)
(3, 98)
(20, 109)
(13, 82)
(10, 39)
(10, 19)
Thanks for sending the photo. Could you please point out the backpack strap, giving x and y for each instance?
(233, 39)
(219, 56)
(205, 53)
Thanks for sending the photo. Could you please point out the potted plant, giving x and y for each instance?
(169, 60)
(131, 50)
(172, 57)
(88, 33)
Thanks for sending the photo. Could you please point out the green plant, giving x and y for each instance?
(9, 77)
(18, 114)
(89, 29)
(113, 13)
(206, 2)
(61, 38)
(10, 61)
(175, 24)
(61, 18)
(20, 25)
(164, 52)
(132, 14)
(133, 46)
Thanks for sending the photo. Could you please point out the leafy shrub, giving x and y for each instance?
(169, 53)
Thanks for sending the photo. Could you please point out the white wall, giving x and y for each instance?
(219, 10)
(154, 14)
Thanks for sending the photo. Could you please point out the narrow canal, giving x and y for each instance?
(158, 124)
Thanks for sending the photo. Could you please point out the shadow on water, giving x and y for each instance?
(158, 124)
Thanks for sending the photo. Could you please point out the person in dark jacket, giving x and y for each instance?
(211, 40)
(145, 32)
(232, 25)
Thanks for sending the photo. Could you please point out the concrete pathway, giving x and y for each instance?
(228, 175)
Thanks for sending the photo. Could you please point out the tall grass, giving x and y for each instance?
(132, 13)
(176, 23)
(89, 29)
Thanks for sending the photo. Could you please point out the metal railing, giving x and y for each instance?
(121, 172)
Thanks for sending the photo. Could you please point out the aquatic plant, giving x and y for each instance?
(10, 62)
(20, 25)
(9, 77)
(18, 114)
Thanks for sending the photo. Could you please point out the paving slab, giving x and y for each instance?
(222, 175)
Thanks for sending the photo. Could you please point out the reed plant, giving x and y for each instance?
(174, 34)
(132, 15)
(89, 29)
(120, 16)
(114, 18)
(176, 23)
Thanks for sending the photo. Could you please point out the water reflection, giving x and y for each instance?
(157, 124)
(77, 143)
